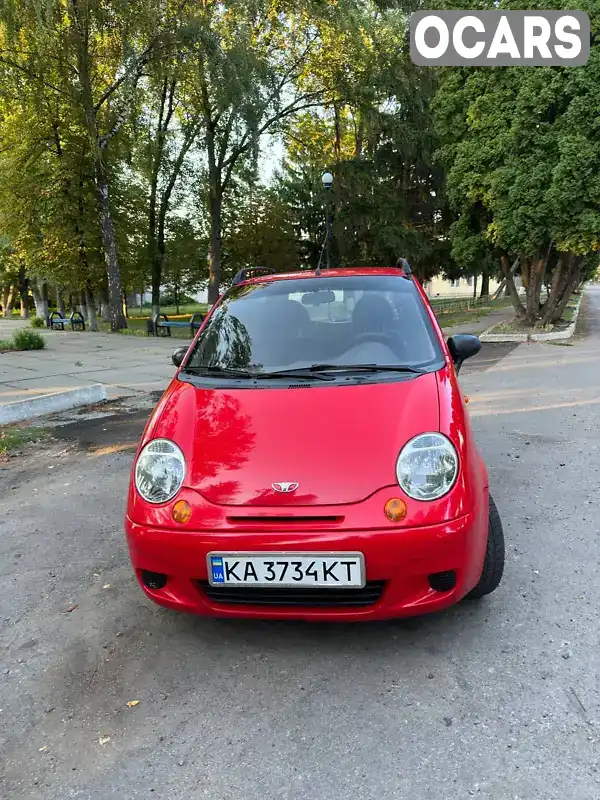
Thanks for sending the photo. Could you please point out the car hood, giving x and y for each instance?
(338, 443)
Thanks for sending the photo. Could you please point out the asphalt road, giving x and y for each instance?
(496, 700)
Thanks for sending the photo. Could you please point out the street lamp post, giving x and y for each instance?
(327, 180)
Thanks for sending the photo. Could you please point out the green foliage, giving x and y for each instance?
(522, 154)
(37, 322)
(388, 196)
(27, 340)
(143, 124)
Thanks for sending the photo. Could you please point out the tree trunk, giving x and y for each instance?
(564, 280)
(155, 265)
(10, 302)
(155, 262)
(37, 299)
(159, 248)
(534, 271)
(485, 282)
(82, 305)
(113, 271)
(45, 302)
(475, 287)
(214, 267)
(107, 229)
(568, 291)
(511, 289)
(39, 290)
(104, 309)
(60, 301)
(24, 292)
(91, 308)
(4, 300)
(556, 288)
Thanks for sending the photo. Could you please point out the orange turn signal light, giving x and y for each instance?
(395, 509)
(182, 511)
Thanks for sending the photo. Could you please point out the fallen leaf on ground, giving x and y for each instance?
(133, 703)
(70, 608)
(106, 586)
(43, 749)
(104, 739)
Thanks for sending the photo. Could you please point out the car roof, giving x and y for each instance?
(332, 273)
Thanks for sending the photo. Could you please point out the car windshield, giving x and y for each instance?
(298, 323)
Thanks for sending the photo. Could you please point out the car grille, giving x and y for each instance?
(279, 596)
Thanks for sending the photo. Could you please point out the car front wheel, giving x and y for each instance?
(493, 565)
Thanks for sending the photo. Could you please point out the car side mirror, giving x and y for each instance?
(463, 346)
(178, 356)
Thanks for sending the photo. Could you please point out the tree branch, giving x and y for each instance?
(136, 68)
(291, 108)
(31, 74)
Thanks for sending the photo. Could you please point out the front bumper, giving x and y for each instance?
(402, 559)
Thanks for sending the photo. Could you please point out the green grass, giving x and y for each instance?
(14, 438)
(170, 311)
(137, 327)
(136, 321)
(449, 318)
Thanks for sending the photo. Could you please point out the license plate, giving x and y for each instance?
(324, 570)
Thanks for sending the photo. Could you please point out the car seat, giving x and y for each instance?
(372, 314)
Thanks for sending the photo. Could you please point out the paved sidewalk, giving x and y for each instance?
(126, 365)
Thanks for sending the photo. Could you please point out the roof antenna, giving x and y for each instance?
(403, 264)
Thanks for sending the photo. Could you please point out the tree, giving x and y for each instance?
(258, 232)
(257, 67)
(173, 128)
(377, 139)
(91, 54)
(522, 145)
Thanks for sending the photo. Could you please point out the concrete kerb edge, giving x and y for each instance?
(43, 405)
(489, 335)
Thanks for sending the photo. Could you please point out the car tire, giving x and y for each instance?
(493, 564)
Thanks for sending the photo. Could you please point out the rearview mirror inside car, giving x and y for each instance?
(178, 356)
(321, 298)
(463, 346)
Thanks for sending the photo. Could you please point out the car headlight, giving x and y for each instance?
(159, 471)
(427, 466)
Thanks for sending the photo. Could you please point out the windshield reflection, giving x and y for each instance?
(293, 324)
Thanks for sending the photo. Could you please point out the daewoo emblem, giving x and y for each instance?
(285, 488)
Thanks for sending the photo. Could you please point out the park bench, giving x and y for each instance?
(160, 325)
(58, 321)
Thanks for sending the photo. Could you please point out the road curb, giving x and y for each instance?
(553, 336)
(40, 406)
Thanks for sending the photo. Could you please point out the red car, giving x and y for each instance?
(313, 458)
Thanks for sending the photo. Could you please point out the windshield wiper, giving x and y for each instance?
(307, 374)
(227, 372)
(366, 368)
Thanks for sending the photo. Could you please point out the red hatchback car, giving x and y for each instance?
(313, 458)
